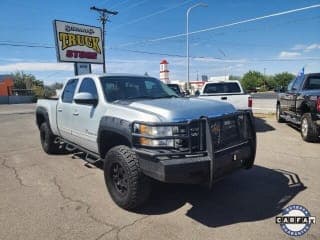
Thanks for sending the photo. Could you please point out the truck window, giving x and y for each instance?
(68, 92)
(290, 85)
(312, 83)
(298, 83)
(125, 88)
(88, 85)
(222, 88)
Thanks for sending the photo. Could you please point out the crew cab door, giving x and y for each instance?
(295, 95)
(285, 98)
(86, 117)
(64, 109)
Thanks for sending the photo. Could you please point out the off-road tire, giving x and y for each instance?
(309, 130)
(138, 185)
(47, 140)
(278, 113)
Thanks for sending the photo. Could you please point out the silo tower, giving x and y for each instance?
(164, 72)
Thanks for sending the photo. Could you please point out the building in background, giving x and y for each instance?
(6, 85)
(219, 78)
(164, 72)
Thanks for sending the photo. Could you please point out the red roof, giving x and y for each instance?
(164, 62)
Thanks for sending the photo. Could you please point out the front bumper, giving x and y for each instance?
(196, 169)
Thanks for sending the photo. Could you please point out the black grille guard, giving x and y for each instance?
(154, 153)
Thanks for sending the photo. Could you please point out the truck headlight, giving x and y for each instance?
(155, 131)
(156, 143)
(148, 134)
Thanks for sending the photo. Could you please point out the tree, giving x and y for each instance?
(23, 80)
(283, 79)
(234, 77)
(252, 80)
(270, 82)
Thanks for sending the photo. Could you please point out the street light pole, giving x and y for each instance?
(104, 17)
(188, 59)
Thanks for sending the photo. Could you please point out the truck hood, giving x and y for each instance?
(182, 109)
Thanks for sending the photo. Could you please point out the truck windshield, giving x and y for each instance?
(175, 87)
(126, 88)
(212, 88)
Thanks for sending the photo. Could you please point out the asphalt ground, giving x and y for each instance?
(60, 197)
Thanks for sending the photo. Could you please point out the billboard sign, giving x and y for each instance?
(78, 43)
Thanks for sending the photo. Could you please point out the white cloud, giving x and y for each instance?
(312, 47)
(218, 60)
(36, 66)
(285, 54)
(306, 48)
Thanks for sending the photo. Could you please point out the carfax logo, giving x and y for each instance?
(296, 220)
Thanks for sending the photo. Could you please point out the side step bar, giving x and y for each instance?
(90, 157)
(288, 118)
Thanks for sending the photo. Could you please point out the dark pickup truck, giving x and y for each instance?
(300, 105)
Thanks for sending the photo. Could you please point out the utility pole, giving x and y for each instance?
(264, 78)
(104, 17)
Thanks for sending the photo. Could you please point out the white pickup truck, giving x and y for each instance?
(141, 129)
(229, 91)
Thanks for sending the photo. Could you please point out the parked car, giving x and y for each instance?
(300, 105)
(229, 91)
(142, 130)
(176, 88)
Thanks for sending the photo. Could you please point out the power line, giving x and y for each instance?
(222, 60)
(157, 53)
(152, 14)
(213, 59)
(225, 25)
(25, 45)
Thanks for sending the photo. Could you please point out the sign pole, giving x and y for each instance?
(103, 19)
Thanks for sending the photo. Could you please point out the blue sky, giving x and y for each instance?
(282, 43)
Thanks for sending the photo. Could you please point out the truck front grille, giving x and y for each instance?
(229, 131)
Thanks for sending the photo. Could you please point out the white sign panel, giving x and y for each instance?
(82, 68)
(77, 42)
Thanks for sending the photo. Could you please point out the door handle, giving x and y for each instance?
(59, 109)
(75, 113)
(224, 98)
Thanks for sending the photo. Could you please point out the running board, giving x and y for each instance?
(288, 118)
(90, 157)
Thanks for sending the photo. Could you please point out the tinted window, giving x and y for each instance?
(313, 83)
(88, 85)
(69, 90)
(175, 87)
(290, 85)
(125, 88)
(222, 88)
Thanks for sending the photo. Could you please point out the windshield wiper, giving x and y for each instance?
(139, 97)
(167, 96)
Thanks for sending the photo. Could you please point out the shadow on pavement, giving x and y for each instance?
(262, 125)
(245, 196)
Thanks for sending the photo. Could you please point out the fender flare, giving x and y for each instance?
(113, 125)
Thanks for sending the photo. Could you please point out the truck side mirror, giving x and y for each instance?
(85, 98)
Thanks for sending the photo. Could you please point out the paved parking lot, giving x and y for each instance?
(58, 197)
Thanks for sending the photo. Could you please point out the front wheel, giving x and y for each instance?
(278, 114)
(309, 131)
(127, 185)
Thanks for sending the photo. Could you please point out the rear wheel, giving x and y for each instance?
(309, 131)
(47, 140)
(278, 114)
(127, 185)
